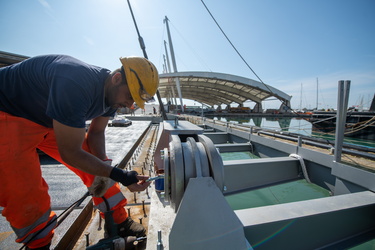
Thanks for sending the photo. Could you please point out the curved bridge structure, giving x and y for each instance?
(217, 88)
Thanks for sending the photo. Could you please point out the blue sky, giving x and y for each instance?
(288, 43)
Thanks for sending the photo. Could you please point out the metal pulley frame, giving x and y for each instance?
(195, 157)
(194, 186)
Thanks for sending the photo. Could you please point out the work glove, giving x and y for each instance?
(126, 178)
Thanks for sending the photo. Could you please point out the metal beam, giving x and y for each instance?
(323, 223)
(254, 173)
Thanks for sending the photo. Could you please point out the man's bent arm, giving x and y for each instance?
(69, 141)
(96, 137)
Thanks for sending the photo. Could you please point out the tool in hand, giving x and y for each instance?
(155, 178)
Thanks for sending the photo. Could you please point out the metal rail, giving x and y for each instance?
(328, 145)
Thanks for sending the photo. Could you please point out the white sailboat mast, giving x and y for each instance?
(317, 92)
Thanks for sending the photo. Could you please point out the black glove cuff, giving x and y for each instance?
(126, 178)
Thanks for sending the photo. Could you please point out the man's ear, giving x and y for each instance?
(117, 78)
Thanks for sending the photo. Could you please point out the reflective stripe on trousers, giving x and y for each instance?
(112, 202)
(39, 230)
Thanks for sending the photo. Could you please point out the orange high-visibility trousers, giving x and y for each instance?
(24, 192)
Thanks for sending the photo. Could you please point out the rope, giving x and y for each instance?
(326, 119)
(304, 170)
(363, 125)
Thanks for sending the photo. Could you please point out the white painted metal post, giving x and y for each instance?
(342, 106)
(174, 64)
(169, 71)
(166, 53)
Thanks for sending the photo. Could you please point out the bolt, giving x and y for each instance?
(129, 212)
(140, 220)
(87, 239)
(144, 210)
(148, 196)
(135, 197)
(159, 245)
(100, 222)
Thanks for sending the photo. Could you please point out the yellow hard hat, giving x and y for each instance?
(142, 78)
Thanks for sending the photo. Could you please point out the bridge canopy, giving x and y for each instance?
(7, 58)
(213, 88)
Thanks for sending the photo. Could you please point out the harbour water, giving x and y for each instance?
(292, 125)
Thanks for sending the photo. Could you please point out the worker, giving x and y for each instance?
(44, 104)
(132, 110)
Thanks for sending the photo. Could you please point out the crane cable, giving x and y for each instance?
(143, 47)
(243, 59)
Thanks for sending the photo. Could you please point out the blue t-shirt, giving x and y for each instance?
(57, 87)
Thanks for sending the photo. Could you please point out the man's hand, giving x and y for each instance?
(141, 185)
(130, 179)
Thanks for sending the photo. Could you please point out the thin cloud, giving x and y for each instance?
(47, 7)
(89, 40)
(45, 4)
